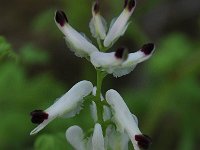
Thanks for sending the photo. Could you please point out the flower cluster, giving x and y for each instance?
(114, 125)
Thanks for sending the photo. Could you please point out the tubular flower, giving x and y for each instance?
(133, 59)
(125, 121)
(116, 140)
(75, 41)
(108, 61)
(97, 24)
(97, 138)
(119, 26)
(75, 137)
(68, 105)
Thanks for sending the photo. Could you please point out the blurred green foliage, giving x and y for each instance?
(166, 103)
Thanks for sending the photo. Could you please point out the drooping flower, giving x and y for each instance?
(97, 24)
(125, 121)
(119, 26)
(68, 105)
(75, 41)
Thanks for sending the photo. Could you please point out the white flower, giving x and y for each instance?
(97, 138)
(108, 61)
(125, 121)
(97, 24)
(119, 26)
(75, 137)
(115, 140)
(68, 105)
(133, 59)
(75, 41)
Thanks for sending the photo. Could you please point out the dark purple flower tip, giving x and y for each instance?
(38, 116)
(96, 7)
(147, 48)
(125, 3)
(143, 141)
(121, 53)
(130, 4)
(61, 18)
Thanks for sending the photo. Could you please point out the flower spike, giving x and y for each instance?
(98, 25)
(125, 121)
(68, 105)
(120, 25)
(108, 61)
(75, 41)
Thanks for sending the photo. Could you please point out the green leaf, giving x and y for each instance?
(31, 54)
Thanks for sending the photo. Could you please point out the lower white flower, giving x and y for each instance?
(116, 140)
(75, 41)
(75, 137)
(125, 121)
(97, 138)
(68, 105)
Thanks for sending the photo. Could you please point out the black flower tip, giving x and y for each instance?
(147, 48)
(121, 53)
(143, 141)
(61, 18)
(96, 7)
(130, 4)
(125, 3)
(38, 116)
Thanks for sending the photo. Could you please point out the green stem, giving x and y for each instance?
(100, 78)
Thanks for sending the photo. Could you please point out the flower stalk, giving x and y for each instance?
(114, 124)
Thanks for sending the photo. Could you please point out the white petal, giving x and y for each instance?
(106, 113)
(119, 26)
(107, 61)
(133, 59)
(93, 110)
(116, 140)
(122, 116)
(75, 137)
(75, 41)
(94, 93)
(97, 138)
(97, 24)
(68, 104)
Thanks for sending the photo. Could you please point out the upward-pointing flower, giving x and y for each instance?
(75, 137)
(97, 24)
(75, 41)
(125, 120)
(68, 105)
(120, 25)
